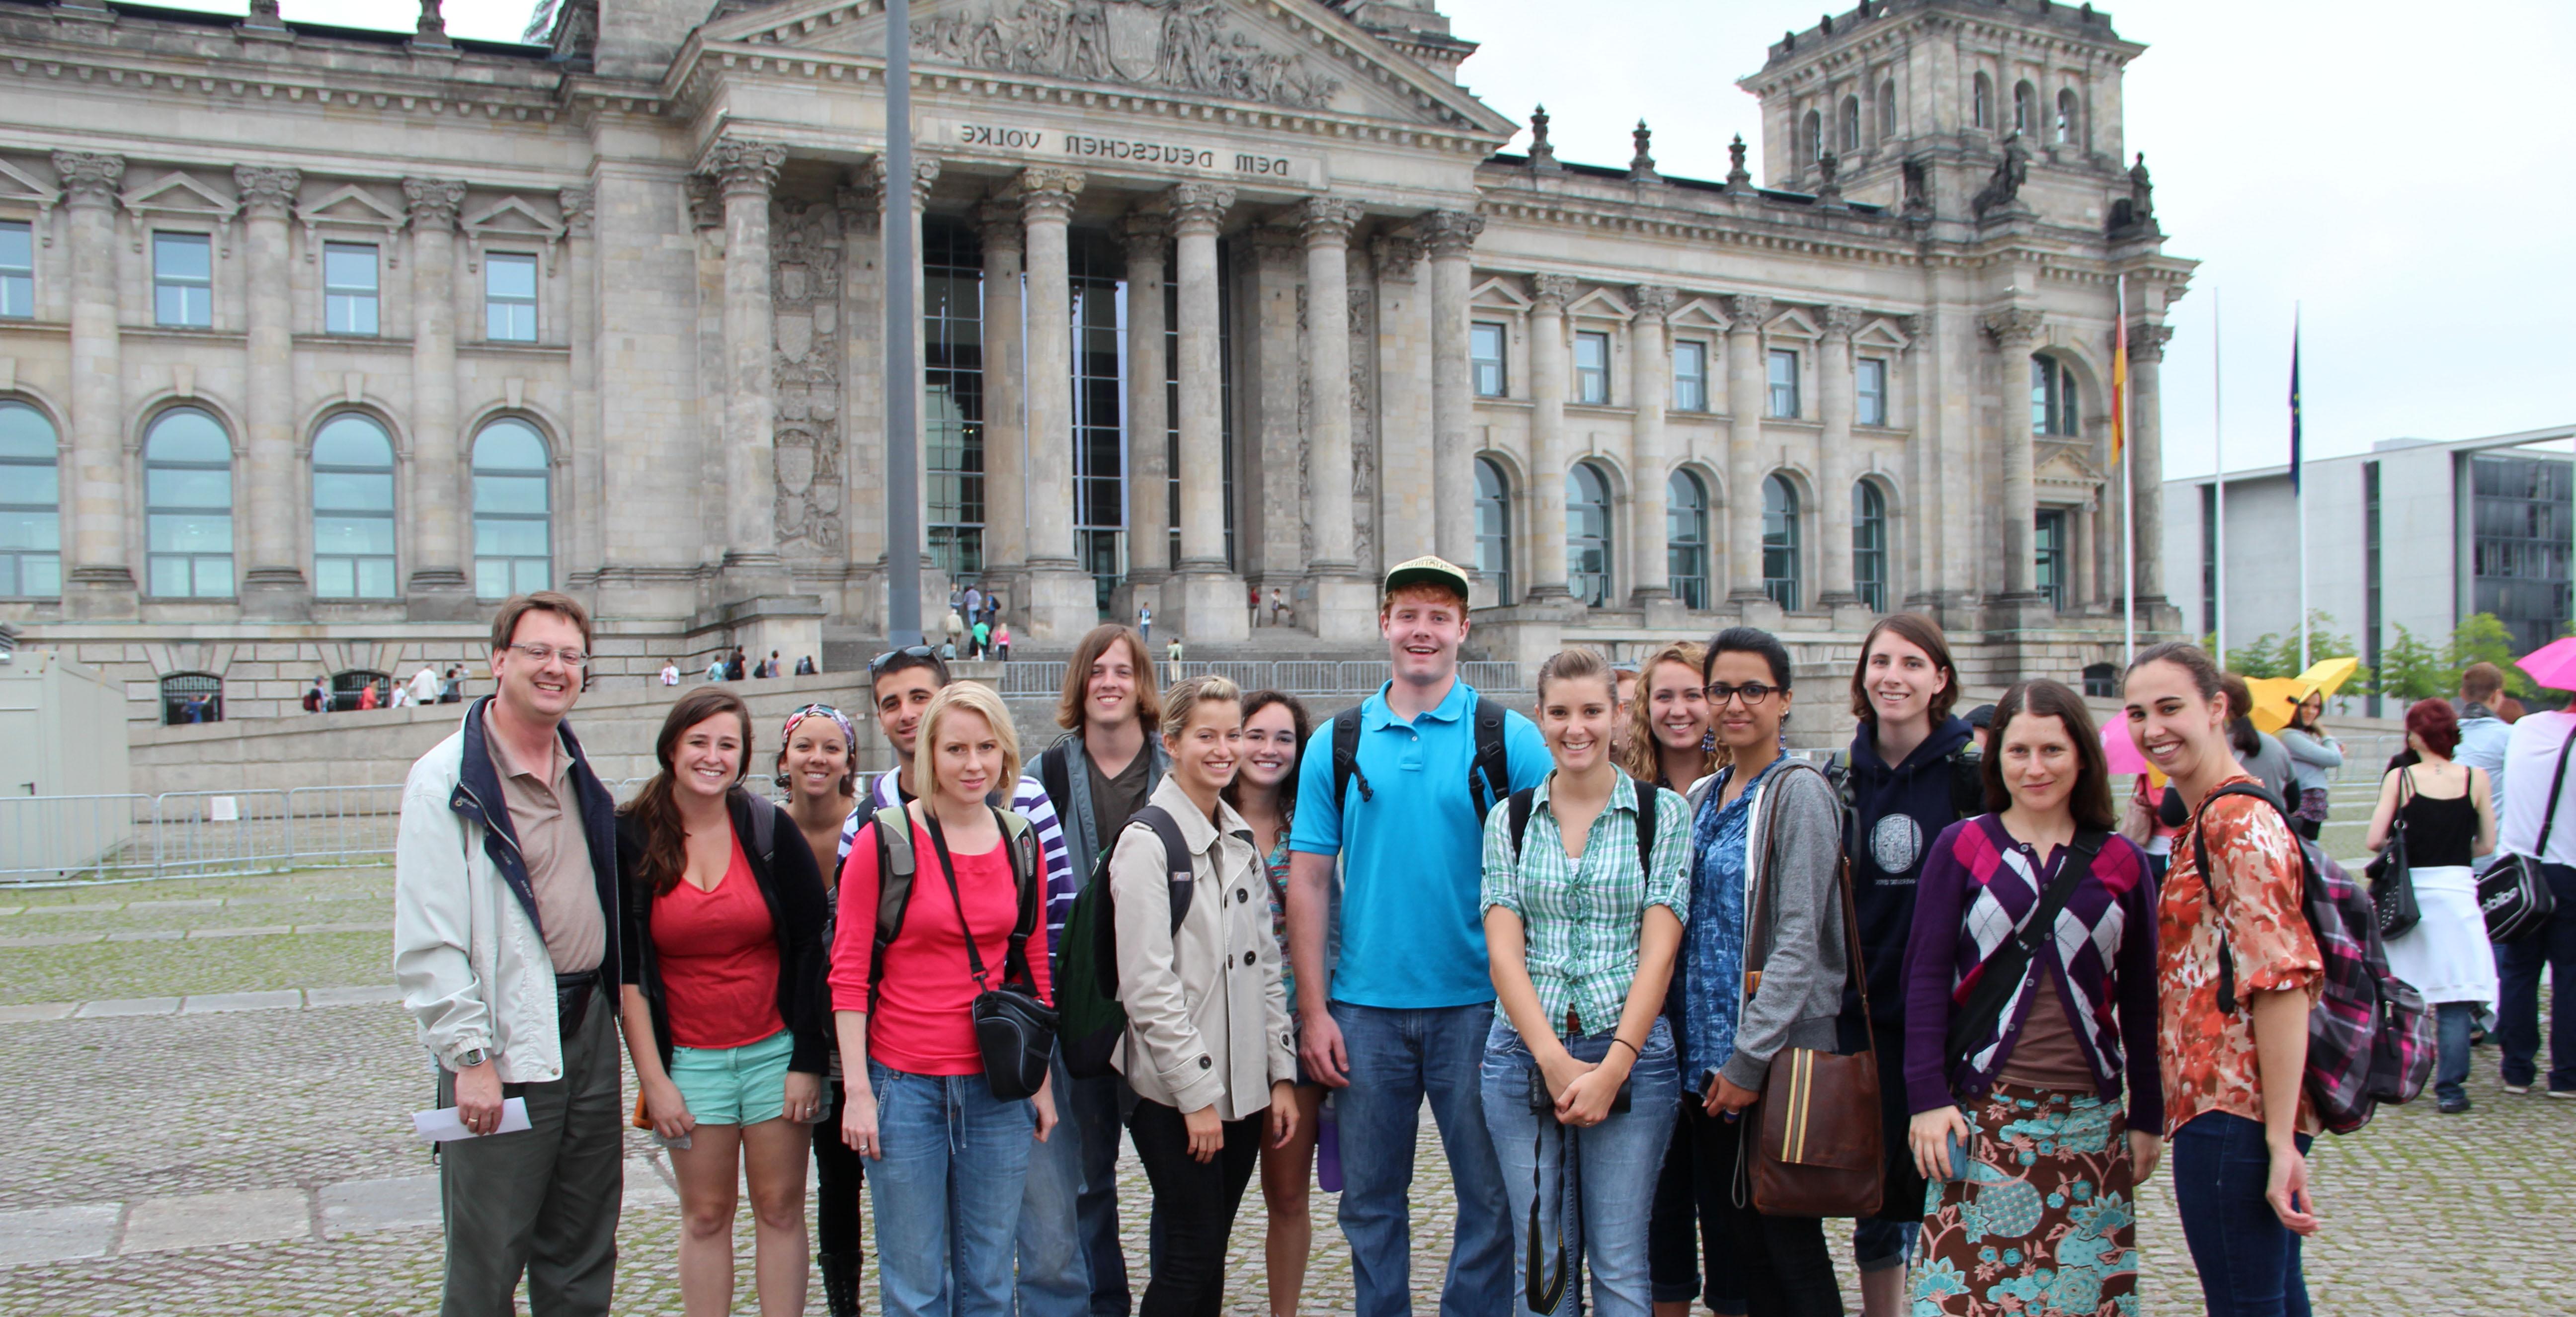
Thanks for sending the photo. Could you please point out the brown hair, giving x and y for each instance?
(505, 624)
(2241, 731)
(2090, 801)
(2481, 682)
(1574, 665)
(1644, 758)
(966, 697)
(1301, 725)
(1077, 676)
(1924, 634)
(2185, 655)
(666, 841)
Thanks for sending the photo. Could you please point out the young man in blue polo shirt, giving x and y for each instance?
(1406, 1008)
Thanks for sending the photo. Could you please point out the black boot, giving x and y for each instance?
(841, 1281)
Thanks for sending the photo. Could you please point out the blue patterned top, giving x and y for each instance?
(1709, 979)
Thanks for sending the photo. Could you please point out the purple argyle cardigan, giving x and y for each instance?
(1977, 885)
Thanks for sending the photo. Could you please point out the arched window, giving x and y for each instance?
(1887, 111)
(2053, 403)
(2101, 681)
(513, 529)
(1686, 539)
(191, 697)
(1587, 534)
(2025, 108)
(2066, 115)
(1851, 123)
(1811, 136)
(353, 509)
(1494, 527)
(348, 689)
(1984, 111)
(188, 507)
(1780, 541)
(1869, 545)
(31, 515)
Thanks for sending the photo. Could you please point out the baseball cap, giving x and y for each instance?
(1429, 569)
(1982, 716)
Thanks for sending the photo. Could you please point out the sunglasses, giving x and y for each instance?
(913, 651)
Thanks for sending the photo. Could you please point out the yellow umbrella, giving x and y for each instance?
(2326, 676)
(2275, 700)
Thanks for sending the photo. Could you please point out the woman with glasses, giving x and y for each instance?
(818, 762)
(1766, 848)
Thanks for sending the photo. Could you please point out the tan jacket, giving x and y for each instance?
(1207, 1018)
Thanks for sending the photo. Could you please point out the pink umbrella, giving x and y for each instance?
(2552, 665)
(2120, 750)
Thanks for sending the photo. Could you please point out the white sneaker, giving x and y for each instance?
(2517, 1089)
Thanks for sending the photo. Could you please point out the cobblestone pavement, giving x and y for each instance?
(250, 1154)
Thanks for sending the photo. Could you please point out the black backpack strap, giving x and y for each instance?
(1523, 801)
(896, 866)
(2208, 880)
(1054, 775)
(1489, 774)
(1967, 781)
(1346, 756)
(2003, 975)
(764, 832)
(1182, 880)
(1646, 802)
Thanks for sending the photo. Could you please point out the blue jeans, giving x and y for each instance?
(1397, 1057)
(1612, 1168)
(2248, 1260)
(2451, 1071)
(2518, 966)
(1100, 1130)
(947, 1195)
(1055, 1278)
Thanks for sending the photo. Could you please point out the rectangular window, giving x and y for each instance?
(1871, 377)
(349, 288)
(17, 269)
(510, 298)
(952, 316)
(2522, 519)
(1485, 351)
(1784, 384)
(2048, 553)
(1592, 368)
(2370, 576)
(1690, 376)
(183, 280)
(2209, 559)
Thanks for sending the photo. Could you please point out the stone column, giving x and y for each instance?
(587, 497)
(2014, 330)
(1345, 605)
(1210, 607)
(1650, 374)
(273, 589)
(439, 589)
(100, 585)
(1547, 358)
(1147, 235)
(1408, 480)
(862, 205)
(1748, 396)
(746, 172)
(1448, 234)
(1267, 264)
(1837, 388)
(1006, 443)
(925, 173)
(1060, 594)
(2146, 433)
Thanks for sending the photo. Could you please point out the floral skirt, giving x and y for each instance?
(2045, 1222)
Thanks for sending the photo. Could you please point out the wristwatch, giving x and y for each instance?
(470, 1058)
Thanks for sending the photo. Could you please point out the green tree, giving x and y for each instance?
(2482, 638)
(2410, 670)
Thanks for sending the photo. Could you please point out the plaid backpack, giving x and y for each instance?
(2370, 1037)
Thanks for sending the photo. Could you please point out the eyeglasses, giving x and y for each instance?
(1754, 693)
(538, 654)
(914, 651)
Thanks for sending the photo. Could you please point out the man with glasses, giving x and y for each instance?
(505, 887)
(1399, 794)
(1054, 1277)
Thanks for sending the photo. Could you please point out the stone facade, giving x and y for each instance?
(608, 311)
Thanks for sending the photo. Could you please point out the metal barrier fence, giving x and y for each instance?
(1316, 677)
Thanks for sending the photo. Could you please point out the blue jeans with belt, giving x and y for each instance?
(1596, 1185)
(1397, 1058)
(2248, 1260)
(947, 1192)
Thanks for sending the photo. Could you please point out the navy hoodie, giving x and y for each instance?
(1892, 815)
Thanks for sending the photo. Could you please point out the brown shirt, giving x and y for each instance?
(546, 814)
(2048, 1054)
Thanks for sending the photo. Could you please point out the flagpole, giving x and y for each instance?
(2128, 485)
(2298, 486)
(2218, 445)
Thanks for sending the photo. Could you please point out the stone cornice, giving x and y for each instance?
(217, 76)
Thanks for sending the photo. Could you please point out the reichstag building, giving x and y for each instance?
(316, 341)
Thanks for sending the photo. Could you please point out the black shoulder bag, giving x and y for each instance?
(2392, 879)
(2513, 892)
(1015, 1030)
(1971, 1019)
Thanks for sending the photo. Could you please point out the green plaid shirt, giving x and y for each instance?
(1584, 919)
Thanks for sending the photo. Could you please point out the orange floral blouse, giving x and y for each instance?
(2206, 1053)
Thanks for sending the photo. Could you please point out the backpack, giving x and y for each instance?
(1526, 798)
(1489, 773)
(2370, 1037)
(1967, 782)
(898, 864)
(1091, 1020)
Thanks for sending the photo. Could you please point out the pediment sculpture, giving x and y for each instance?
(1178, 45)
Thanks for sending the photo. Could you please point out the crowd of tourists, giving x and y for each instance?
(1640, 962)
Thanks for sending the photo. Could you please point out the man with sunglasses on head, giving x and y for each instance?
(1053, 1275)
(505, 887)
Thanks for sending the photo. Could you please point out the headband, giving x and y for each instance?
(849, 734)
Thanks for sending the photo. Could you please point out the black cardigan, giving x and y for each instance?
(797, 914)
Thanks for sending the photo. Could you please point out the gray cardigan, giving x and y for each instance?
(1804, 974)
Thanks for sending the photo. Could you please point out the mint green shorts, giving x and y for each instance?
(734, 1085)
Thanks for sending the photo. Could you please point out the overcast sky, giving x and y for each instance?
(2302, 154)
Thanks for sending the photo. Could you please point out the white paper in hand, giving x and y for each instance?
(443, 1124)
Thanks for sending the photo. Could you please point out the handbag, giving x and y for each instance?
(1014, 1030)
(2513, 893)
(1818, 1149)
(2392, 882)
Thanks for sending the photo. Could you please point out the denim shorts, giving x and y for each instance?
(734, 1085)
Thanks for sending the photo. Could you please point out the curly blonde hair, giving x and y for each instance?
(1642, 759)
